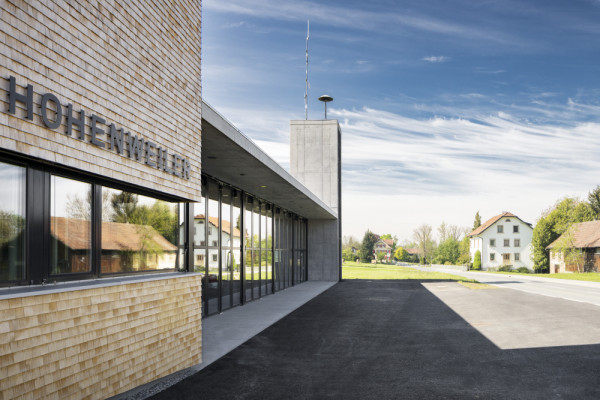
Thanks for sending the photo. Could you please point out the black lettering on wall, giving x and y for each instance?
(150, 152)
(57, 113)
(116, 138)
(95, 131)
(136, 147)
(26, 99)
(177, 165)
(79, 122)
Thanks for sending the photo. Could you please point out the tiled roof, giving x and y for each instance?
(585, 235)
(215, 222)
(412, 251)
(491, 222)
(75, 234)
(389, 242)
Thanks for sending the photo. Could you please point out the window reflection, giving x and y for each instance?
(12, 222)
(138, 233)
(70, 226)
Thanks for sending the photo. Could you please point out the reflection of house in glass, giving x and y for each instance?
(228, 237)
(125, 247)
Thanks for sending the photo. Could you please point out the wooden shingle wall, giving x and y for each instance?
(132, 63)
(95, 343)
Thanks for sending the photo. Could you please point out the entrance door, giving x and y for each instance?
(506, 258)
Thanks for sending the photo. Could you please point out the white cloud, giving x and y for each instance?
(436, 59)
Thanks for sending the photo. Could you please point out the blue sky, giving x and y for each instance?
(446, 107)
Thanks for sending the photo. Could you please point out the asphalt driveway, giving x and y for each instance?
(405, 340)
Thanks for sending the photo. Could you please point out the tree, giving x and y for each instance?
(380, 256)
(565, 246)
(349, 242)
(400, 254)
(448, 251)
(465, 251)
(553, 223)
(389, 236)
(477, 222)
(422, 235)
(367, 246)
(477, 260)
(594, 199)
(347, 255)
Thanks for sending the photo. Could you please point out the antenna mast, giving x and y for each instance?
(307, 85)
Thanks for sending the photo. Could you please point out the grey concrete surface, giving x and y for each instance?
(404, 340)
(586, 292)
(324, 257)
(516, 320)
(224, 332)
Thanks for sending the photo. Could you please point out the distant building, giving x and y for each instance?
(383, 246)
(503, 240)
(586, 237)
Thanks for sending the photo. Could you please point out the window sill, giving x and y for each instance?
(60, 287)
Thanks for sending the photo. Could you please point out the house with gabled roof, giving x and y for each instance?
(503, 240)
(383, 246)
(585, 238)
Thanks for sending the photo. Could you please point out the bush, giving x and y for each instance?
(523, 270)
(447, 263)
(505, 268)
(477, 260)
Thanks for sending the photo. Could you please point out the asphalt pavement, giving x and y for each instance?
(411, 339)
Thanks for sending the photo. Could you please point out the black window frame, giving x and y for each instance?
(37, 263)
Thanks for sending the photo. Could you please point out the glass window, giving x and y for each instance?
(226, 252)
(517, 242)
(500, 229)
(515, 228)
(12, 222)
(492, 242)
(236, 233)
(70, 226)
(506, 242)
(517, 256)
(492, 256)
(213, 276)
(139, 233)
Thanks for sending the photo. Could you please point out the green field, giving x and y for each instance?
(354, 270)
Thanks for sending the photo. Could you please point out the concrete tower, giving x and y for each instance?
(315, 160)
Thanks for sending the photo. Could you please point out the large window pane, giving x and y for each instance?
(70, 226)
(226, 243)
(138, 233)
(212, 241)
(236, 218)
(12, 222)
(248, 233)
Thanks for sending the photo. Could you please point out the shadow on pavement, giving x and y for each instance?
(388, 340)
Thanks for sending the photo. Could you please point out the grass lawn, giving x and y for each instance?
(354, 270)
(576, 276)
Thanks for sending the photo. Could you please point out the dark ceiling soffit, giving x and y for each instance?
(230, 156)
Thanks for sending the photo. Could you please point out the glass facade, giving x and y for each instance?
(12, 222)
(56, 225)
(251, 244)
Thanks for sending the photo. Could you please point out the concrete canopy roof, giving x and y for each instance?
(231, 157)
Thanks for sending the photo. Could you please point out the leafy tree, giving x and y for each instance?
(401, 255)
(349, 242)
(389, 236)
(477, 222)
(465, 253)
(448, 251)
(594, 199)
(367, 246)
(124, 205)
(380, 256)
(570, 254)
(347, 255)
(553, 223)
(477, 260)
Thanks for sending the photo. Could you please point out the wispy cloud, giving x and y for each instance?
(288, 10)
(436, 59)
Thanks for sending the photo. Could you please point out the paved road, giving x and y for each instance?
(586, 292)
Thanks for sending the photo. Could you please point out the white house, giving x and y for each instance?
(503, 240)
